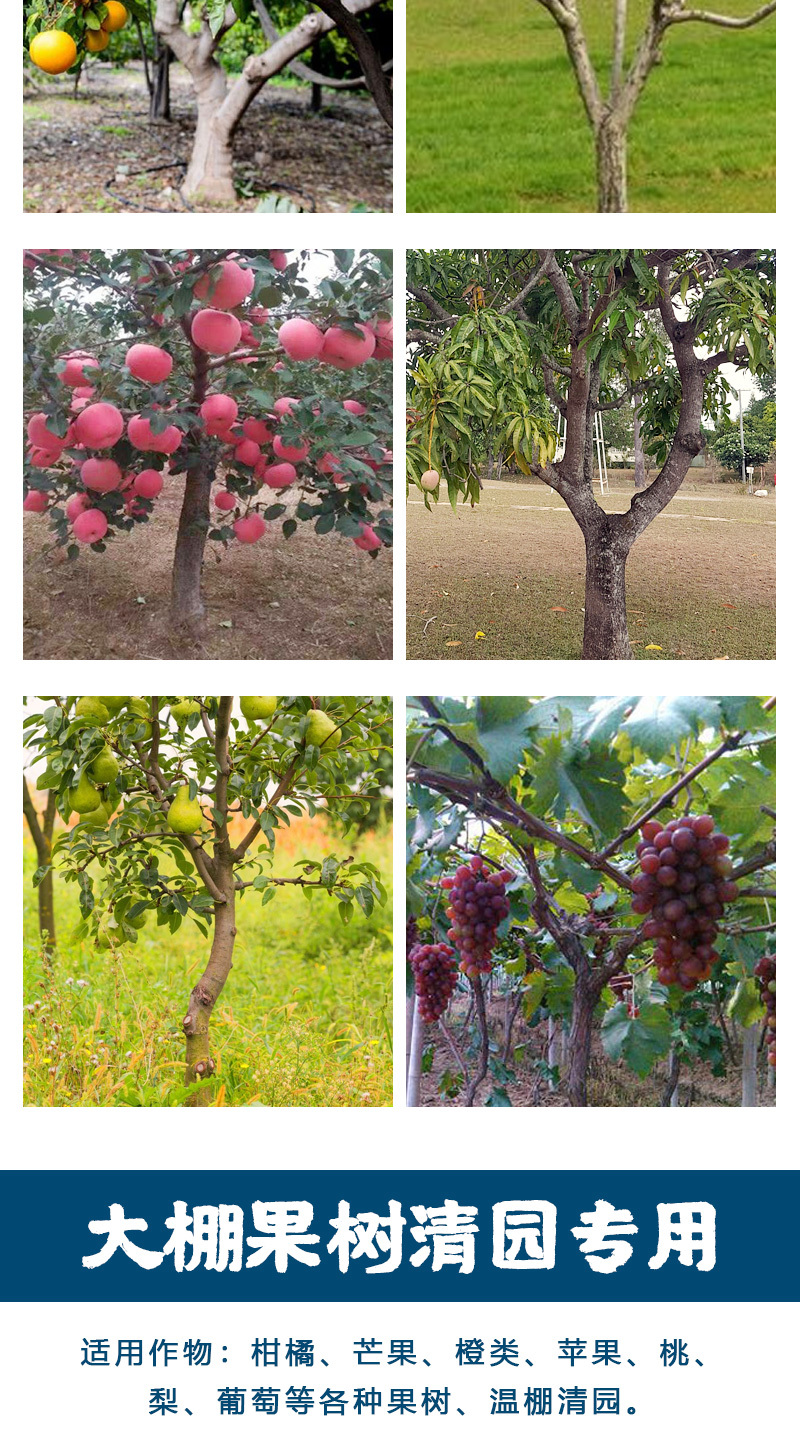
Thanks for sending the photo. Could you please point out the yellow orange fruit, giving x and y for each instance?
(53, 51)
(96, 40)
(117, 17)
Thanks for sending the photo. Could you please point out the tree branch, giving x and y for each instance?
(728, 22)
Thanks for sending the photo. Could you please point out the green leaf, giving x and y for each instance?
(745, 1006)
(638, 1042)
(659, 723)
(503, 723)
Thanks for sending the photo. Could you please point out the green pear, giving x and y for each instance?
(84, 798)
(99, 817)
(322, 731)
(104, 767)
(138, 922)
(48, 779)
(258, 707)
(92, 710)
(185, 815)
(183, 710)
(114, 703)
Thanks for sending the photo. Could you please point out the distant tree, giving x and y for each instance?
(727, 447)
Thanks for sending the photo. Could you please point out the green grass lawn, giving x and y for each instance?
(700, 579)
(495, 124)
(305, 1018)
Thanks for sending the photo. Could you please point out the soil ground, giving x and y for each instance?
(610, 1084)
(701, 579)
(338, 159)
(311, 597)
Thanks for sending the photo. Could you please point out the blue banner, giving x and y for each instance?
(534, 1236)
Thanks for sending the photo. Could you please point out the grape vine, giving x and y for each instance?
(684, 885)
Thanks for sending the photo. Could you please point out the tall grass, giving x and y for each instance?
(304, 1020)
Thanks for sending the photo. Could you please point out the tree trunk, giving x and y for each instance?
(160, 103)
(210, 172)
(605, 626)
(414, 1075)
(187, 568)
(612, 167)
(639, 473)
(204, 995)
(584, 1002)
(42, 835)
(750, 1040)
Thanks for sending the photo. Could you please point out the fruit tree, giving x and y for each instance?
(609, 114)
(503, 342)
(61, 33)
(164, 787)
(610, 855)
(261, 387)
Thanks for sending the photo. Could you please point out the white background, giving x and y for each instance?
(426, 1138)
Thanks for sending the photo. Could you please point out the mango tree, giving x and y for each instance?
(609, 113)
(613, 837)
(503, 342)
(181, 803)
(243, 378)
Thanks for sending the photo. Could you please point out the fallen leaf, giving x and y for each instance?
(479, 636)
(559, 608)
(726, 606)
(654, 647)
(452, 642)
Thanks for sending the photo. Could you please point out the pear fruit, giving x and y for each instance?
(322, 731)
(114, 703)
(99, 817)
(84, 798)
(258, 707)
(104, 767)
(138, 922)
(92, 710)
(183, 710)
(185, 815)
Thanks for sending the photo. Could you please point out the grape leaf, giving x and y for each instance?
(639, 1042)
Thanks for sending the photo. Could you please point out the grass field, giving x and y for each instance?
(495, 124)
(305, 1019)
(701, 579)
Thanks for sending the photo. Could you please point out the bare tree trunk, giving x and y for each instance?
(199, 1063)
(612, 166)
(483, 1056)
(639, 474)
(160, 100)
(415, 1058)
(190, 544)
(584, 1002)
(750, 1040)
(605, 629)
(42, 835)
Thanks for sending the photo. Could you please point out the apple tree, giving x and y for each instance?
(614, 855)
(164, 786)
(246, 379)
(503, 340)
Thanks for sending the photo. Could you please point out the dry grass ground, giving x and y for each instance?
(701, 580)
(610, 1084)
(312, 597)
(337, 160)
